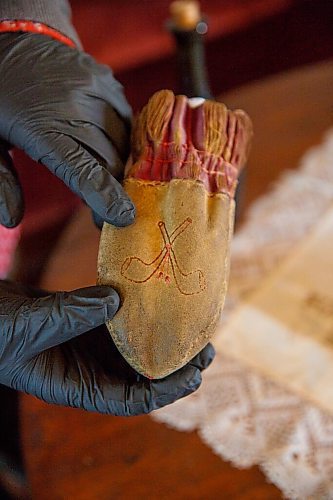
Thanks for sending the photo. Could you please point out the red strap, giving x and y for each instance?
(33, 27)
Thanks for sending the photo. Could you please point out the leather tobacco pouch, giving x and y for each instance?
(171, 265)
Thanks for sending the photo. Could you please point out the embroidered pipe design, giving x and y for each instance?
(165, 263)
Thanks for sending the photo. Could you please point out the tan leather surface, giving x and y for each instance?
(171, 270)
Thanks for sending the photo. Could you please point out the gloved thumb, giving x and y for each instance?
(56, 318)
(11, 198)
(86, 177)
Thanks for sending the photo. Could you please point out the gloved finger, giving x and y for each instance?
(143, 396)
(49, 321)
(102, 131)
(204, 358)
(103, 395)
(104, 145)
(89, 372)
(176, 386)
(82, 173)
(102, 148)
(11, 197)
(134, 394)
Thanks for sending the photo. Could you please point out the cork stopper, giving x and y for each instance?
(185, 14)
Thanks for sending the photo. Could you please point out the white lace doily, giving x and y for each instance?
(242, 415)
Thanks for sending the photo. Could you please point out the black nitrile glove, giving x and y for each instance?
(67, 112)
(45, 352)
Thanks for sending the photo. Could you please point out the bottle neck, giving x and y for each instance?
(191, 63)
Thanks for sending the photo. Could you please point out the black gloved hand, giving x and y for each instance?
(45, 352)
(67, 112)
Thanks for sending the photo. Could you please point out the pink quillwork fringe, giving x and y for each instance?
(207, 143)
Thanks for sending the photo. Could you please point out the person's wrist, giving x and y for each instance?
(24, 26)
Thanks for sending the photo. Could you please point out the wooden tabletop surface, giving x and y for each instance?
(71, 454)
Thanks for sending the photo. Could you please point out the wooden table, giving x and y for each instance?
(71, 454)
